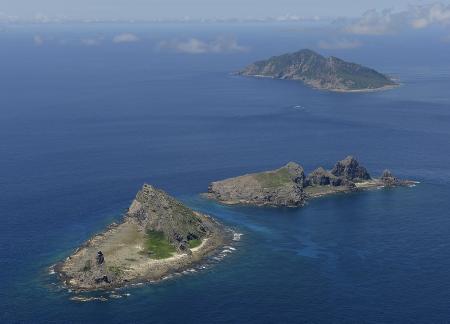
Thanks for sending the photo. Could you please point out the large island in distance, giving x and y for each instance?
(288, 186)
(158, 236)
(326, 73)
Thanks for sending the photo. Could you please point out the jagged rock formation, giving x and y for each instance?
(389, 179)
(328, 73)
(154, 239)
(281, 187)
(322, 177)
(289, 187)
(350, 169)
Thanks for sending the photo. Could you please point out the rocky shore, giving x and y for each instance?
(157, 237)
(289, 187)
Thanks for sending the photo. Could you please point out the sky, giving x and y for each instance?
(194, 9)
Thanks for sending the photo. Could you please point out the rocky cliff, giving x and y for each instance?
(328, 73)
(155, 210)
(350, 169)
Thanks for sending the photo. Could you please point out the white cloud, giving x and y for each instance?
(38, 40)
(339, 44)
(424, 16)
(125, 38)
(197, 46)
(90, 41)
(375, 22)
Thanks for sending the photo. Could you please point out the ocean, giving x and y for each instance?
(83, 127)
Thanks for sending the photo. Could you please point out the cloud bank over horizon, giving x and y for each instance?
(46, 11)
(388, 21)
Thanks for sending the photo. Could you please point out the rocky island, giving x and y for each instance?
(158, 236)
(317, 71)
(288, 186)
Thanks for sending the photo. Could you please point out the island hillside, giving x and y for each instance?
(326, 73)
(289, 187)
(158, 235)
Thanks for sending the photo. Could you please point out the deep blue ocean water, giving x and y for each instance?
(82, 128)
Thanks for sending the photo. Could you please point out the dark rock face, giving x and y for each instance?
(389, 179)
(104, 279)
(350, 169)
(320, 177)
(100, 258)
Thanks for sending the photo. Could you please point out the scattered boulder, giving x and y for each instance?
(100, 258)
(102, 279)
(350, 169)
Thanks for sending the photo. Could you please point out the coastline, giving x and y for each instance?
(313, 86)
(145, 270)
(317, 192)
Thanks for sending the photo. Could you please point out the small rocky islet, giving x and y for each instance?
(157, 237)
(288, 186)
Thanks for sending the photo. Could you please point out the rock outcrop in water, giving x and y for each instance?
(158, 235)
(288, 186)
(327, 73)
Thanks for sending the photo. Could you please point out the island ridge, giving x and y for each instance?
(289, 187)
(317, 71)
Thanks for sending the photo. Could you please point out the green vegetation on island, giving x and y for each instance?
(158, 246)
(158, 236)
(289, 187)
(327, 73)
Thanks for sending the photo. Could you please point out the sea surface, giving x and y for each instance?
(83, 127)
